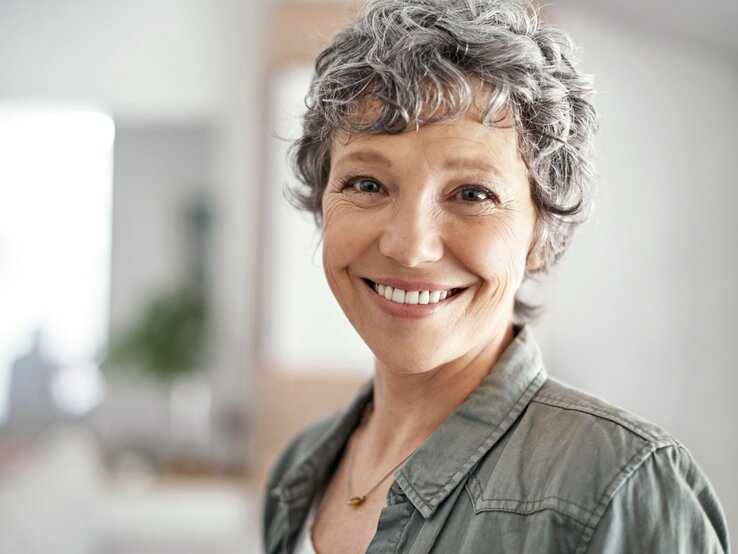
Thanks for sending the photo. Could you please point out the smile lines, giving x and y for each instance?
(399, 296)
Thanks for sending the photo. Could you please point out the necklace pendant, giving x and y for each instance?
(356, 501)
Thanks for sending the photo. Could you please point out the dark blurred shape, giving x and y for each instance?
(32, 407)
(169, 338)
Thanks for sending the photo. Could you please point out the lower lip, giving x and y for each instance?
(409, 311)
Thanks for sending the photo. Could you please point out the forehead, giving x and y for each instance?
(465, 136)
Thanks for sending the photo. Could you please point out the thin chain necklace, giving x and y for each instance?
(356, 501)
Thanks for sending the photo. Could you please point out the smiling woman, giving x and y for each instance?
(444, 211)
(446, 156)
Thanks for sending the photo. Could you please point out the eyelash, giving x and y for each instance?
(352, 180)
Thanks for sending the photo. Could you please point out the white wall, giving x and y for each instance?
(643, 311)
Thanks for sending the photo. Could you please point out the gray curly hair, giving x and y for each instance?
(416, 59)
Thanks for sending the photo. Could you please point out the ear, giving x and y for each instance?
(535, 259)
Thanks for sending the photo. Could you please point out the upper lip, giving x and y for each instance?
(412, 285)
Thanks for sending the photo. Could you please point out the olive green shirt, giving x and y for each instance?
(524, 465)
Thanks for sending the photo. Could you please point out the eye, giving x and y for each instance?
(365, 185)
(476, 194)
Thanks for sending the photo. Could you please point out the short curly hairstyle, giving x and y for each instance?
(418, 61)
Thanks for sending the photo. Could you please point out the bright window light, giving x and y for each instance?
(55, 225)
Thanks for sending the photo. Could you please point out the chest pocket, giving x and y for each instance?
(514, 500)
(511, 523)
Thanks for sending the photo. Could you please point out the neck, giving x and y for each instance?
(409, 407)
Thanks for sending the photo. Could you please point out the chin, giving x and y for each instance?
(409, 361)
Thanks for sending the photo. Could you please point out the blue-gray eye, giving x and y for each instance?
(475, 195)
(366, 185)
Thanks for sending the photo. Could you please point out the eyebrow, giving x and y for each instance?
(472, 163)
(369, 156)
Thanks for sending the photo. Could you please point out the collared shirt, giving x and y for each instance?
(524, 465)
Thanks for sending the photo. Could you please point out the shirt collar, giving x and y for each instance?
(443, 460)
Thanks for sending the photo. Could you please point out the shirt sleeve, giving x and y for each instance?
(272, 520)
(666, 505)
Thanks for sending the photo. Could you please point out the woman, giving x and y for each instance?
(446, 155)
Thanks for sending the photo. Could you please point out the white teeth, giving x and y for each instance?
(413, 297)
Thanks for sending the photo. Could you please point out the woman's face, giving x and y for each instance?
(444, 216)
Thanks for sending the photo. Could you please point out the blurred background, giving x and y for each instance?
(164, 324)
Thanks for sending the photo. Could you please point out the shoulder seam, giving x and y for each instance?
(594, 410)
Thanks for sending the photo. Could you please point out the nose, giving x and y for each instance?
(411, 236)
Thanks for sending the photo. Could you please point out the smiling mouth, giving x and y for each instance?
(413, 297)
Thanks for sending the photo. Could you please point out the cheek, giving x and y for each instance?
(497, 252)
(344, 236)
(333, 231)
(336, 256)
(336, 247)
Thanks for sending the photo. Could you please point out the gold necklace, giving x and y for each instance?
(356, 501)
